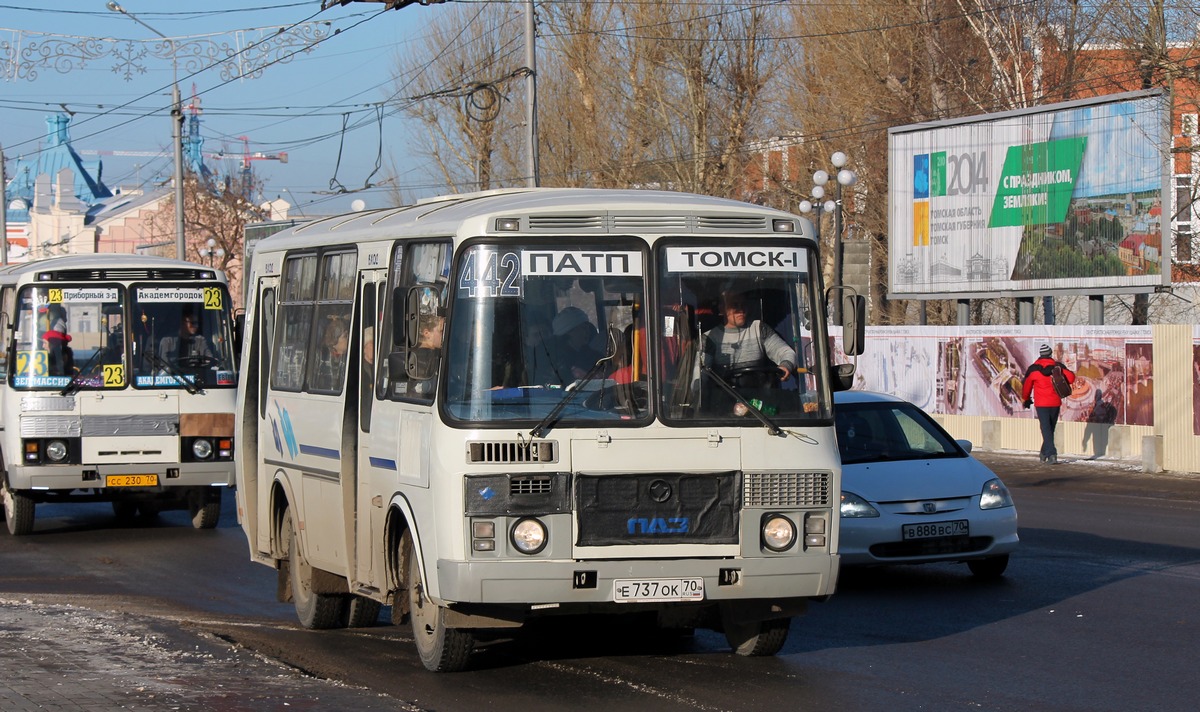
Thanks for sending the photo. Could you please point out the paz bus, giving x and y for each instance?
(485, 408)
(119, 382)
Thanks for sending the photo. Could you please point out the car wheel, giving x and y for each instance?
(18, 512)
(315, 610)
(757, 639)
(362, 611)
(441, 649)
(990, 568)
(206, 515)
(124, 510)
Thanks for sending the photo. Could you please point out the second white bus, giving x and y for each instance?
(548, 427)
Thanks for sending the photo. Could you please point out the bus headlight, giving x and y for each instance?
(202, 449)
(528, 536)
(56, 451)
(778, 532)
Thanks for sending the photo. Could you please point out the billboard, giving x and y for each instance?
(1070, 197)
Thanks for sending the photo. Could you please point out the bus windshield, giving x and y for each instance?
(737, 333)
(63, 337)
(548, 327)
(181, 336)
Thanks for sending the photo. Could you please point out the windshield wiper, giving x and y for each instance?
(771, 426)
(162, 363)
(573, 390)
(77, 382)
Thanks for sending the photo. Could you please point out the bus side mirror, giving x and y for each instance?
(854, 324)
(239, 329)
(841, 376)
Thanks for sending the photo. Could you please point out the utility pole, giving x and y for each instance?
(3, 212)
(531, 94)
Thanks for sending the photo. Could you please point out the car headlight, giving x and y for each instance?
(528, 536)
(202, 449)
(56, 451)
(855, 506)
(778, 532)
(995, 495)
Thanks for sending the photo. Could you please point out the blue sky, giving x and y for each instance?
(295, 107)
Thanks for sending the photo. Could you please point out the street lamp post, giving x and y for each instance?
(842, 177)
(210, 250)
(176, 127)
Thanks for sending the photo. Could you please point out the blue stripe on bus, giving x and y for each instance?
(320, 451)
(383, 462)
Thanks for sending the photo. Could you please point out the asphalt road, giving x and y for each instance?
(1097, 612)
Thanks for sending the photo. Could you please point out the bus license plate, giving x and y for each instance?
(935, 530)
(679, 589)
(131, 480)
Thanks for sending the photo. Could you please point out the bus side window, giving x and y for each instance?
(366, 392)
(266, 332)
(293, 327)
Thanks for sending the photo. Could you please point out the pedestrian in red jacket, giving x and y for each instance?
(1039, 390)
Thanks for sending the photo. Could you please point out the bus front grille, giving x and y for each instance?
(508, 451)
(786, 489)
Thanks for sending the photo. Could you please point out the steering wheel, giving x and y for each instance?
(197, 361)
(756, 374)
(612, 398)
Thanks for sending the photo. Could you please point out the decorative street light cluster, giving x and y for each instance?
(843, 177)
(210, 250)
(176, 127)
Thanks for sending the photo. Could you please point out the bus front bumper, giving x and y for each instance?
(593, 582)
(120, 478)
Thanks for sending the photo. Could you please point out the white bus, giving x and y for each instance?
(550, 427)
(119, 382)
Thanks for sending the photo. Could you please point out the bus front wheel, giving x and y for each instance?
(18, 512)
(315, 610)
(205, 510)
(757, 638)
(441, 649)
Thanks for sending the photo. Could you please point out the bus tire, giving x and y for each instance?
(317, 611)
(757, 639)
(362, 612)
(205, 513)
(18, 512)
(441, 649)
(124, 510)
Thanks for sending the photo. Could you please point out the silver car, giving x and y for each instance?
(911, 494)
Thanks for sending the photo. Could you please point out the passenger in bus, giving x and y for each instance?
(331, 358)
(189, 348)
(576, 354)
(55, 339)
(430, 333)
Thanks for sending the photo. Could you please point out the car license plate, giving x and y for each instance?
(131, 480)
(678, 589)
(934, 530)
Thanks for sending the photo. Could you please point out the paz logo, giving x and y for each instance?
(929, 181)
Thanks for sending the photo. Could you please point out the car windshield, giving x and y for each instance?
(737, 328)
(874, 432)
(180, 336)
(61, 339)
(547, 330)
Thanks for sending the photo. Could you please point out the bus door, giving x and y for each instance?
(269, 440)
(374, 475)
(307, 399)
(402, 420)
